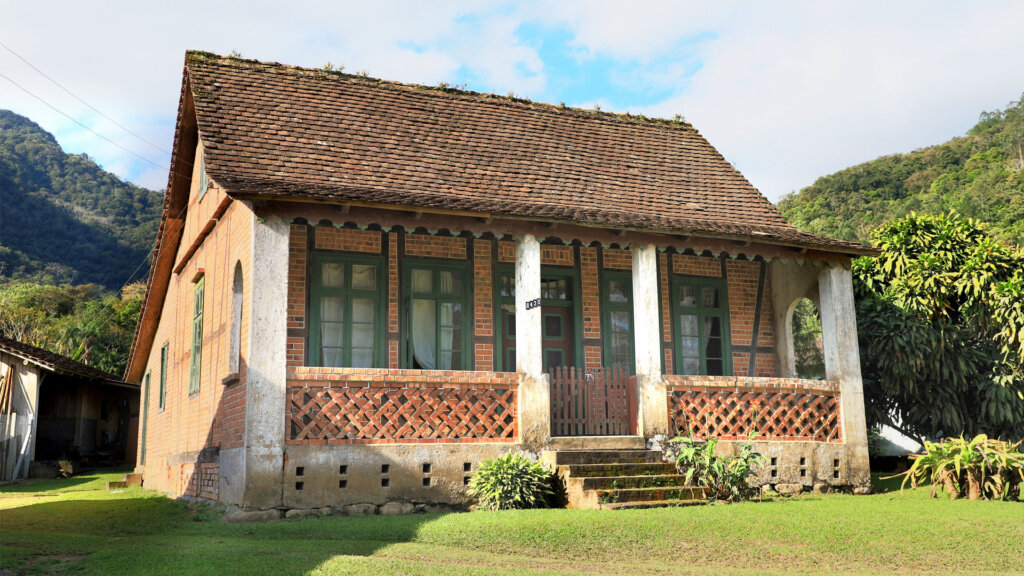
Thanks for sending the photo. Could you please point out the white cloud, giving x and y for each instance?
(787, 91)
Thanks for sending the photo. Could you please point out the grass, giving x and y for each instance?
(76, 526)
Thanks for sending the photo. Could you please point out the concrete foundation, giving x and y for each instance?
(336, 476)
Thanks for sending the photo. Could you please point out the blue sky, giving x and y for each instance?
(787, 91)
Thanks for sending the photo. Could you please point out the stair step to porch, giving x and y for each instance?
(621, 478)
(132, 479)
(607, 457)
(597, 443)
(615, 482)
(586, 470)
(116, 484)
(649, 494)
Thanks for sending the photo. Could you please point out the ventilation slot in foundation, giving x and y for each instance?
(300, 470)
(803, 467)
(384, 482)
(467, 466)
(342, 483)
(426, 481)
(774, 472)
(835, 468)
(343, 469)
(298, 485)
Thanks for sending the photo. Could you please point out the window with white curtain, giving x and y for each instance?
(346, 311)
(438, 319)
(700, 323)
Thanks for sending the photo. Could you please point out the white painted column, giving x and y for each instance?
(652, 394)
(842, 365)
(266, 371)
(534, 388)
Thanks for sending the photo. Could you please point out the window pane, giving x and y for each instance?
(554, 357)
(331, 334)
(553, 326)
(362, 310)
(618, 292)
(332, 275)
(510, 323)
(709, 297)
(362, 358)
(688, 325)
(620, 344)
(331, 357)
(687, 296)
(621, 362)
(690, 347)
(510, 360)
(715, 368)
(712, 327)
(362, 335)
(451, 283)
(424, 333)
(714, 348)
(691, 366)
(332, 309)
(423, 281)
(508, 287)
(364, 277)
(620, 321)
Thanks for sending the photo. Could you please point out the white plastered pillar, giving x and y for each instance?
(534, 388)
(266, 369)
(652, 395)
(842, 365)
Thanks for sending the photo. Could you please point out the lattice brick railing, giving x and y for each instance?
(364, 406)
(777, 408)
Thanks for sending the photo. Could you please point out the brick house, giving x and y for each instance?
(360, 289)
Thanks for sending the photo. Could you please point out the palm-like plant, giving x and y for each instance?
(976, 468)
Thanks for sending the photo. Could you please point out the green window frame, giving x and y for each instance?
(697, 303)
(162, 397)
(449, 286)
(145, 419)
(204, 180)
(346, 327)
(196, 361)
(617, 324)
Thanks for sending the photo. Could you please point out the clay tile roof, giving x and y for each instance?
(275, 130)
(53, 361)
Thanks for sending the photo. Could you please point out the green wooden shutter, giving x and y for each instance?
(197, 339)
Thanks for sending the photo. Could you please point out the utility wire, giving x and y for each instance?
(69, 117)
(75, 96)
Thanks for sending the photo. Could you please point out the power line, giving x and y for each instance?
(69, 117)
(91, 107)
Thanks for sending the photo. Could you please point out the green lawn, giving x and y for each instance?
(76, 526)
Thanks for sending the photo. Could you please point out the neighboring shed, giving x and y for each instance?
(52, 407)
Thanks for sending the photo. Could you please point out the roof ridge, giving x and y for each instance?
(677, 123)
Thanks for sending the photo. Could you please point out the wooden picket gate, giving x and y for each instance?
(595, 402)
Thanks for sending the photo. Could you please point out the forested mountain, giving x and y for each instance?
(980, 175)
(65, 220)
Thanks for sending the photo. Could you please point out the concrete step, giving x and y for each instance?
(644, 504)
(597, 443)
(603, 456)
(116, 484)
(132, 479)
(649, 494)
(613, 482)
(642, 469)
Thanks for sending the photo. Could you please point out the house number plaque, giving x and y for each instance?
(531, 304)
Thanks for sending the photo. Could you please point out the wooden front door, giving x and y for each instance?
(557, 342)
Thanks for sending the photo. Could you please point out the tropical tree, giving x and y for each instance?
(940, 314)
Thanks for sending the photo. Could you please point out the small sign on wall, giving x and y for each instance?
(531, 304)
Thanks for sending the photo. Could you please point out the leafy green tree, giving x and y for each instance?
(83, 322)
(940, 318)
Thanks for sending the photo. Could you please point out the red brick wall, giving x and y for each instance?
(730, 407)
(409, 406)
(215, 415)
(696, 265)
(615, 259)
(554, 255)
(330, 238)
(506, 252)
(483, 306)
(435, 246)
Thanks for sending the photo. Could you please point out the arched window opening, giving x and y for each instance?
(808, 352)
(234, 357)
